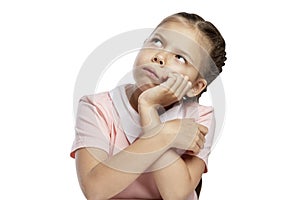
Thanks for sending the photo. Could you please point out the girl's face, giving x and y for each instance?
(171, 48)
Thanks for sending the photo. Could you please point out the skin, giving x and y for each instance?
(163, 77)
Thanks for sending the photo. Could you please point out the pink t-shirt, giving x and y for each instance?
(108, 122)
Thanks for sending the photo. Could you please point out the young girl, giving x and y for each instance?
(151, 140)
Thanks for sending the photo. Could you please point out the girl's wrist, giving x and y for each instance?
(143, 103)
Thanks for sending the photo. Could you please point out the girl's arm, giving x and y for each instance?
(105, 177)
(101, 177)
(176, 177)
(179, 179)
(103, 180)
(188, 169)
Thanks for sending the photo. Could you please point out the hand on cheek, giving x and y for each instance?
(172, 90)
(177, 84)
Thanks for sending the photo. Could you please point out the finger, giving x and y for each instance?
(200, 142)
(186, 87)
(203, 129)
(202, 137)
(169, 82)
(182, 86)
(196, 148)
(176, 85)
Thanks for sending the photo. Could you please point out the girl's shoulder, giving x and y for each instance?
(96, 98)
(101, 101)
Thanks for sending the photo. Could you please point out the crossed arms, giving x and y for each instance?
(154, 152)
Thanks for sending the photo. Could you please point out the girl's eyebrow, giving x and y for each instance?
(159, 35)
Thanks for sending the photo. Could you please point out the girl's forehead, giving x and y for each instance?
(188, 31)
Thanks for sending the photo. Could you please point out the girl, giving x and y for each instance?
(151, 140)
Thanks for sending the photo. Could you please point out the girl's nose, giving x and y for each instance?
(159, 59)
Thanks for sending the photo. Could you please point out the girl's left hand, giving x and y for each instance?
(167, 93)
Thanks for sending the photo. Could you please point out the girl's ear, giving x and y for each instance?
(197, 87)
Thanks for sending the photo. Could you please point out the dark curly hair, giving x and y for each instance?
(217, 51)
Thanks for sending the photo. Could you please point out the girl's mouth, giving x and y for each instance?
(153, 74)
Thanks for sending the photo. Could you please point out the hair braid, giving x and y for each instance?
(217, 52)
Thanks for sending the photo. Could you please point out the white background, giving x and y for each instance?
(44, 44)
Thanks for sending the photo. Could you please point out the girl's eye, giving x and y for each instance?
(157, 42)
(180, 59)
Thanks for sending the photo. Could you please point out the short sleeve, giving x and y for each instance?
(91, 127)
(207, 119)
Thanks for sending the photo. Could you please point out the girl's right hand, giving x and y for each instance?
(168, 92)
(185, 134)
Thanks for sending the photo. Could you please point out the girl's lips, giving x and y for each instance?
(154, 74)
(151, 72)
